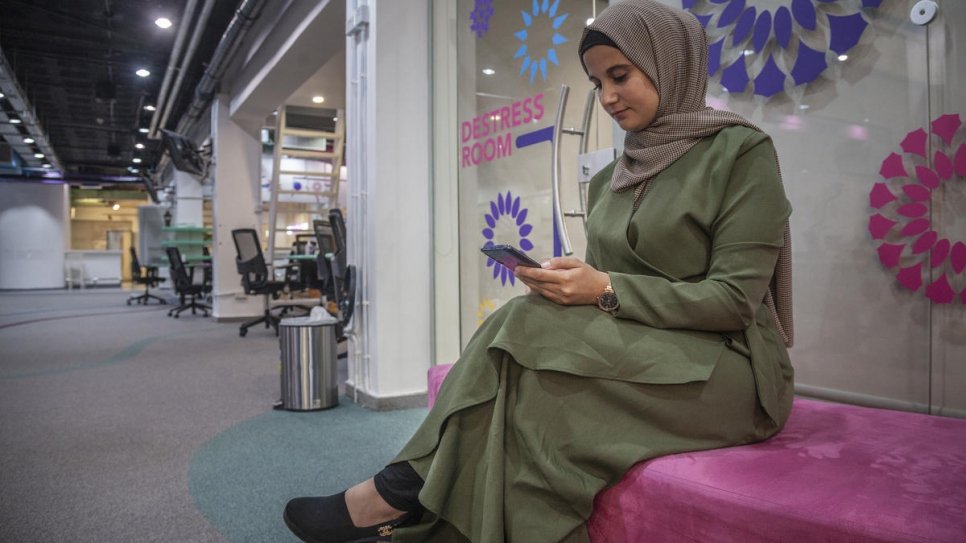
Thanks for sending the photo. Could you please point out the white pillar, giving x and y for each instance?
(236, 204)
(389, 215)
(32, 235)
(189, 200)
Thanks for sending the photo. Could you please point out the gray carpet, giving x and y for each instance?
(118, 423)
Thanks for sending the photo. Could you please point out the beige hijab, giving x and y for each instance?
(670, 47)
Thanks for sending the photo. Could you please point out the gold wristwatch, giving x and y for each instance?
(607, 300)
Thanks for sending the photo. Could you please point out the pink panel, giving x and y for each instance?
(946, 126)
(927, 177)
(925, 242)
(892, 167)
(911, 277)
(916, 192)
(889, 254)
(915, 142)
(917, 226)
(939, 291)
(880, 195)
(939, 253)
(958, 257)
(879, 226)
(944, 166)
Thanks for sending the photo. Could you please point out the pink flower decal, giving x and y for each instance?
(905, 203)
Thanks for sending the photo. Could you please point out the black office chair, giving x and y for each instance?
(338, 279)
(254, 273)
(149, 278)
(187, 290)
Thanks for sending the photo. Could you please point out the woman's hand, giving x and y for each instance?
(565, 280)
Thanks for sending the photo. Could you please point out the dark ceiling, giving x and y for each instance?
(75, 62)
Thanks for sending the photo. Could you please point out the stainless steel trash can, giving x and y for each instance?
(309, 376)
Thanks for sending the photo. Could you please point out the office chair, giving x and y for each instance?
(184, 286)
(338, 278)
(149, 278)
(255, 278)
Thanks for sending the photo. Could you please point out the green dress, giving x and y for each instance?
(550, 404)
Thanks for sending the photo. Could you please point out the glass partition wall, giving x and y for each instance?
(864, 100)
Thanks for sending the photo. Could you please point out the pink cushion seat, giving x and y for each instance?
(836, 473)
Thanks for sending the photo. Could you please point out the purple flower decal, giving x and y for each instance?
(480, 17)
(506, 211)
(901, 224)
(738, 25)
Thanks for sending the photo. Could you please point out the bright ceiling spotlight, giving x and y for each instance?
(149, 107)
(163, 22)
(142, 72)
(28, 140)
(139, 145)
(14, 120)
(46, 165)
(136, 160)
(590, 21)
(843, 58)
(488, 71)
(318, 99)
(116, 206)
(38, 155)
(143, 130)
(2, 95)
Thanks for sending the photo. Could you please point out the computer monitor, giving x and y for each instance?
(324, 236)
(184, 153)
(150, 188)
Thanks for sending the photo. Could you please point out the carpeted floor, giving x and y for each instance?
(118, 423)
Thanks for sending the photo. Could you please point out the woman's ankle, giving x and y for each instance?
(366, 507)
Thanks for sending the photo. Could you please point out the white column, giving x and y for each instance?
(189, 200)
(32, 235)
(236, 203)
(390, 193)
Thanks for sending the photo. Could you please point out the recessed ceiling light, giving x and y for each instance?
(139, 145)
(46, 165)
(589, 21)
(318, 99)
(489, 71)
(843, 58)
(334, 119)
(142, 72)
(2, 95)
(116, 206)
(136, 160)
(149, 107)
(14, 120)
(143, 130)
(28, 140)
(38, 155)
(163, 22)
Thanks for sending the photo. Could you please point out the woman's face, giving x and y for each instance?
(625, 92)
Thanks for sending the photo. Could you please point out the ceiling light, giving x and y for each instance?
(843, 58)
(143, 130)
(334, 119)
(163, 22)
(318, 99)
(46, 165)
(142, 72)
(38, 155)
(589, 21)
(139, 145)
(116, 206)
(14, 120)
(149, 107)
(2, 95)
(489, 71)
(136, 160)
(28, 140)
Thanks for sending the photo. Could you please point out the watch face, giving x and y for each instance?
(607, 301)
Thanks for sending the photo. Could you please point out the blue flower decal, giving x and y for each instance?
(534, 61)
(480, 17)
(506, 210)
(732, 23)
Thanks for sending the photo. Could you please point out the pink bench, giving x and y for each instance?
(836, 473)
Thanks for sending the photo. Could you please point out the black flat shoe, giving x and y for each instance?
(327, 520)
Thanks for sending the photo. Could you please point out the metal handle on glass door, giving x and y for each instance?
(555, 172)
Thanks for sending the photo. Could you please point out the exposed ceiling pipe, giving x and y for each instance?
(18, 99)
(245, 15)
(199, 30)
(172, 66)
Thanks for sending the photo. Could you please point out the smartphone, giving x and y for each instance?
(509, 256)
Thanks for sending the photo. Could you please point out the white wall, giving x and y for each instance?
(34, 221)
